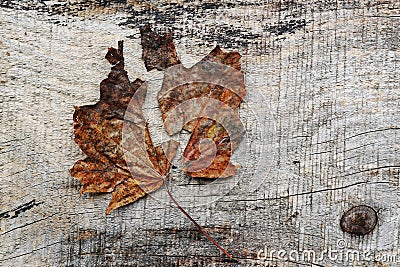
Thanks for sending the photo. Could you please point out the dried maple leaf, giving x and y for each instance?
(113, 133)
(158, 50)
(217, 77)
(98, 132)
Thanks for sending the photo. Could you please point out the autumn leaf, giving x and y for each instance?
(200, 93)
(114, 135)
(98, 132)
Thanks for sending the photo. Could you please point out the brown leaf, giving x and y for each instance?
(148, 164)
(158, 50)
(113, 133)
(98, 132)
(98, 176)
(204, 100)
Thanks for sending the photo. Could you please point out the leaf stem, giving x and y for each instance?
(195, 223)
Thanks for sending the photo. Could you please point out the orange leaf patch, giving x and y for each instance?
(217, 78)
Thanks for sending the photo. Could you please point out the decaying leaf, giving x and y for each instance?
(98, 132)
(114, 135)
(217, 77)
(158, 50)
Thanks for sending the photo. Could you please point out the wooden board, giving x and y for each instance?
(322, 117)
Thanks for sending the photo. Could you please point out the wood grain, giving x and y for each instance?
(322, 117)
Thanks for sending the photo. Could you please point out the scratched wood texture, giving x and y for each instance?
(322, 116)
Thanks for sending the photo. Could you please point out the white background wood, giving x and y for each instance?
(322, 113)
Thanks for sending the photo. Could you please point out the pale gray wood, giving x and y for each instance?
(322, 113)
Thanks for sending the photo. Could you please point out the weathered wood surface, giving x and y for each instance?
(322, 113)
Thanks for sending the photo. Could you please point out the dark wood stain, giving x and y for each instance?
(15, 212)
